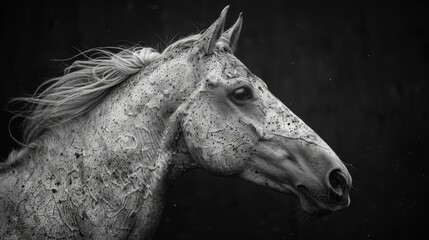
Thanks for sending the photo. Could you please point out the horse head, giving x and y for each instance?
(233, 125)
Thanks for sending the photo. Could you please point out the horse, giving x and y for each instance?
(103, 143)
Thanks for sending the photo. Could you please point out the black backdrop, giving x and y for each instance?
(356, 72)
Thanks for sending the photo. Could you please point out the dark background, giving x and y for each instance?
(356, 72)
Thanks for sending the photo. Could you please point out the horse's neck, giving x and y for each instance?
(95, 190)
(116, 161)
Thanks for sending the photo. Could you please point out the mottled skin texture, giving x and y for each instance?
(105, 174)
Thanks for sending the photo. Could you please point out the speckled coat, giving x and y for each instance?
(104, 175)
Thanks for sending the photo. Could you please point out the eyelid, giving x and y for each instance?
(242, 85)
(246, 90)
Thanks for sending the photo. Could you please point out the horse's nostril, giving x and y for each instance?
(337, 183)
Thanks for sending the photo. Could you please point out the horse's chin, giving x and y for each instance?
(311, 204)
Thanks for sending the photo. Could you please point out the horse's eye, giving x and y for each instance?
(242, 93)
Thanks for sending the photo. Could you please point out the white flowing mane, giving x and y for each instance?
(84, 84)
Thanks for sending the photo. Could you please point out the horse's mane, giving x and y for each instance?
(84, 84)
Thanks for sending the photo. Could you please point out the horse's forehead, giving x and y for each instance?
(231, 68)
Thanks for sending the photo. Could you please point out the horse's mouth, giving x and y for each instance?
(310, 202)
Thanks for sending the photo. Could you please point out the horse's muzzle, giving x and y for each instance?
(333, 199)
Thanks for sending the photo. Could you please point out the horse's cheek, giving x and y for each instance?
(213, 153)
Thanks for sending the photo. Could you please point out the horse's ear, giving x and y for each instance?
(230, 36)
(207, 42)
